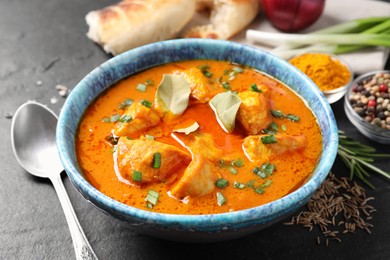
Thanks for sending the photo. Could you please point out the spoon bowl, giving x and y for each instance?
(33, 137)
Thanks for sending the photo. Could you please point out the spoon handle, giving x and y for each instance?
(80, 243)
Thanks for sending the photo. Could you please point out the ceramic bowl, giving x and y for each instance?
(368, 127)
(194, 228)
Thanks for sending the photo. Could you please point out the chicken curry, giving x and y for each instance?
(198, 137)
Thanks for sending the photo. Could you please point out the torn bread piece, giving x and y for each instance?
(132, 23)
(227, 18)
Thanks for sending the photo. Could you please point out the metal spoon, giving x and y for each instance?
(33, 142)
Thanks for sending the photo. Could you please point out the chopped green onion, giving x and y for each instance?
(273, 126)
(284, 128)
(149, 137)
(137, 176)
(268, 168)
(125, 118)
(292, 117)
(256, 170)
(259, 190)
(141, 87)
(238, 163)
(277, 113)
(205, 70)
(232, 170)
(254, 88)
(203, 67)
(226, 85)
(152, 197)
(221, 163)
(127, 102)
(238, 69)
(238, 185)
(267, 183)
(220, 199)
(149, 82)
(146, 103)
(261, 174)
(251, 184)
(157, 160)
(111, 119)
(269, 139)
(222, 183)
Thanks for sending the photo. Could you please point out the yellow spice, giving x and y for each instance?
(326, 72)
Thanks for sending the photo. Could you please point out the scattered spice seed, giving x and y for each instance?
(338, 207)
(8, 115)
(63, 91)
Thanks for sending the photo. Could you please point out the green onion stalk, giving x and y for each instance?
(341, 38)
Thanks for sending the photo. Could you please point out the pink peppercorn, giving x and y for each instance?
(371, 103)
(382, 87)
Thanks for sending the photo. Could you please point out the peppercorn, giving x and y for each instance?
(370, 99)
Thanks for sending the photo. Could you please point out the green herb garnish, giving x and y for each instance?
(149, 82)
(254, 88)
(232, 170)
(222, 183)
(152, 198)
(127, 102)
(293, 118)
(277, 113)
(226, 85)
(220, 199)
(125, 118)
(268, 139)
(149, 137)
(205, 70)
(238, 185)
(137, 176)
(238, 163)
(359, 158)
(268, 168)
(157, 160)
(141, 87)
(146, 103)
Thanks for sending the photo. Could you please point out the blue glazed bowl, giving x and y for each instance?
(194, 228)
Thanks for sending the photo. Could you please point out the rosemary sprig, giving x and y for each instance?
(359, 158)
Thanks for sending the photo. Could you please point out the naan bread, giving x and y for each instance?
(132, 23)
(227, 18)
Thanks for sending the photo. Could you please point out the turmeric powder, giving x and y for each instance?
(327, 72)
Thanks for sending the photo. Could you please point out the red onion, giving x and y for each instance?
(292, 15)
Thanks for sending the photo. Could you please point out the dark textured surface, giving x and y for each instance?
(45, 41)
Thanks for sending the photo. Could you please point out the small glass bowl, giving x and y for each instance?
(372, 131)
(336, 94)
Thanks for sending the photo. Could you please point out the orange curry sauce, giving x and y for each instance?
(95, 154)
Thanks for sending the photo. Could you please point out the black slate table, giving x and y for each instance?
(42, 44)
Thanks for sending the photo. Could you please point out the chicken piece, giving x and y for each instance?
(201, 88)
(198, 179)
(138, 155)
(201, 174)
(254, 113)
(139, 117)
(200, 144)
(255, 150)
